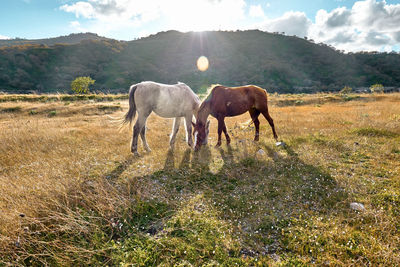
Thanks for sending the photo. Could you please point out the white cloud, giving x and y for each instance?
(376, 15)
(203, 14)
(256, 11)
(76, 26)
(292, 23)
(114, 10)
(368, 25)
(2, 37)
(81, 9)
(338, 17)
(183, 15)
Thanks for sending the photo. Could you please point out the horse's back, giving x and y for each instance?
(239, 90)
(258, 96)
(233, 101)
(167, 100)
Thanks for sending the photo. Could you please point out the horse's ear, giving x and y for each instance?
(208, 124)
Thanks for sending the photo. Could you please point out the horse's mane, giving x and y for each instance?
(181, 84)
(209, 91)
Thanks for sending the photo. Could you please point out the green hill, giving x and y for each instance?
(273, 61)
(74, 38)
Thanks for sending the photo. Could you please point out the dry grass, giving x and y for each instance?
(59, 97)
(71, 192)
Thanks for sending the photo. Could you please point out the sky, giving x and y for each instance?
(366, 25)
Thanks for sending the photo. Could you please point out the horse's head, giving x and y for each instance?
(200, 134)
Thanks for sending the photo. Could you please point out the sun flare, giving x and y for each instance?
(202, 63)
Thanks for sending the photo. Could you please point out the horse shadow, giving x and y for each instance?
(169, 163)
(185, 162)
(264, 195)
(201, 160)
(169, 160)
(285, 178)
(259, 196)
(120, 168)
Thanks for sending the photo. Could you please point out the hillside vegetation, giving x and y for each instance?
(72, 194)
(74, 38)
(275, 62)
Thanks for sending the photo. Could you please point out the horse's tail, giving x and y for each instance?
(130, 115)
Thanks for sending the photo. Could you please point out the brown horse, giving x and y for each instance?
(228, 102)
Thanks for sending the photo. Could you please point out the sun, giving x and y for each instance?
(202, 63)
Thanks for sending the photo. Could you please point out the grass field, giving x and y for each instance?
(71, 193)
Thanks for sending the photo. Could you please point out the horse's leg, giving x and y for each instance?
(188, 125)
(175, 128)
(143, 136)
(228, 139)
(220, 129)
(271, 122)
(137, 129)
(254, 113)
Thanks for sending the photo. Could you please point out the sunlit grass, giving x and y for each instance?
(60, 97)
(71, 193)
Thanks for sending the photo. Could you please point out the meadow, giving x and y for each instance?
(71, 193)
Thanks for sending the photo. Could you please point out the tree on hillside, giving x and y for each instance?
(81, 85)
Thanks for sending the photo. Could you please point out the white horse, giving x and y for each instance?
(168, 101)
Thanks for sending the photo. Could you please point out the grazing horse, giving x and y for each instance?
(228, 102)
(168, 101)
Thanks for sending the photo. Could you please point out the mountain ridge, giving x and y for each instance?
(278, 63)
(73, 38)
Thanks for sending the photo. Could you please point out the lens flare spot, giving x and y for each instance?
(202, 63)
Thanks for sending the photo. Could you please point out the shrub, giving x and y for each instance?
(11, 109)
(377, 88)
(346, 90)
(52, 113)
(81, 85)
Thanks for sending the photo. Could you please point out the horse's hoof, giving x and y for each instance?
(218, 144)
(136, 154)
(147, 149)
(280, 144)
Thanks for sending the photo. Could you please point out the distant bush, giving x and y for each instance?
(33, 112)
(377, 88)
(350, 97)
(81, 85)
(346, 90)
(109, 108)
(11, 109)
(52, 113)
